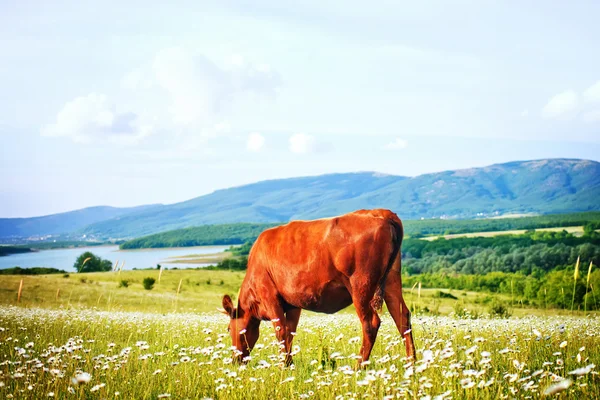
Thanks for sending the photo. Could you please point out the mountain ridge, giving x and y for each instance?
(530, 186)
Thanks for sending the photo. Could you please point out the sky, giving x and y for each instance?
(107, 103)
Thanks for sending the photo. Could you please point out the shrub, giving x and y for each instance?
(461, 311)
(124, 283)
(208, 281)
(499, 309)
(233, 264)
(148, 283)
(65, 275)
(82, 280)
(443, 295)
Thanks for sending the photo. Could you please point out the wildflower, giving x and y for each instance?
(97, 387)
(583, 371)
(428, 356)
(558, 387)
(443, 395)
(51, 394)
(158, 371)
(288, 379)
(166, 395)
(467, 383)
(81, 378)
(563, 344)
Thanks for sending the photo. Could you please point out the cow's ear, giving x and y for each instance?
(228, 305)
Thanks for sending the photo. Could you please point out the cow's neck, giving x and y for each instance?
(247, 302)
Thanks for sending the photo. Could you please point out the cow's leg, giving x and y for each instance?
(370, 324)
(292, 317)
(399, 311)
(282, 326)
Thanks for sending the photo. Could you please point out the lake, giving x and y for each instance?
(145, 258)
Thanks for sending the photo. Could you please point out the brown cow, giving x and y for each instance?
(324, 266)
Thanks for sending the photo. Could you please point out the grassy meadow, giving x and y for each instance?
(98, 340)
(201, 291)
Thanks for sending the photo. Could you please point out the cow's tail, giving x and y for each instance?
(397, 235)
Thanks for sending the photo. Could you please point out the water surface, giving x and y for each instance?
(145, 258)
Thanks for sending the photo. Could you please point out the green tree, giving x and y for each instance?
(89, 262)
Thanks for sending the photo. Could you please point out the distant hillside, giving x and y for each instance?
(243, 232)
(204, 235)
(544, 186)
(64, 222)
(539, 187)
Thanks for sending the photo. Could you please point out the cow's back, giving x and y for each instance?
(310, 264)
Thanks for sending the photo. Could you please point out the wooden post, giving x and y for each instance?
(20, 291)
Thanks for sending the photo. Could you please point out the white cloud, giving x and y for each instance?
(255, 142)
(91, 117)
(561, 105)
(397, 144)
(200, 90)
(185, 95)
(592, 94)
(301, 143)
(139, 78)
(592, 116)
(524, 113)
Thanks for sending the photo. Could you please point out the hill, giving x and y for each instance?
(63, 223)
(544, 186)
(538, 187)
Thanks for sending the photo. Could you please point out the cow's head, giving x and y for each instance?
(243, 328)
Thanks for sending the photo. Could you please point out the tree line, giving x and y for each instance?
(246, 232)
(533, 253)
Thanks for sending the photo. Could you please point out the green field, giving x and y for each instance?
(575, 230)
(201, 291)
(136, 343)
